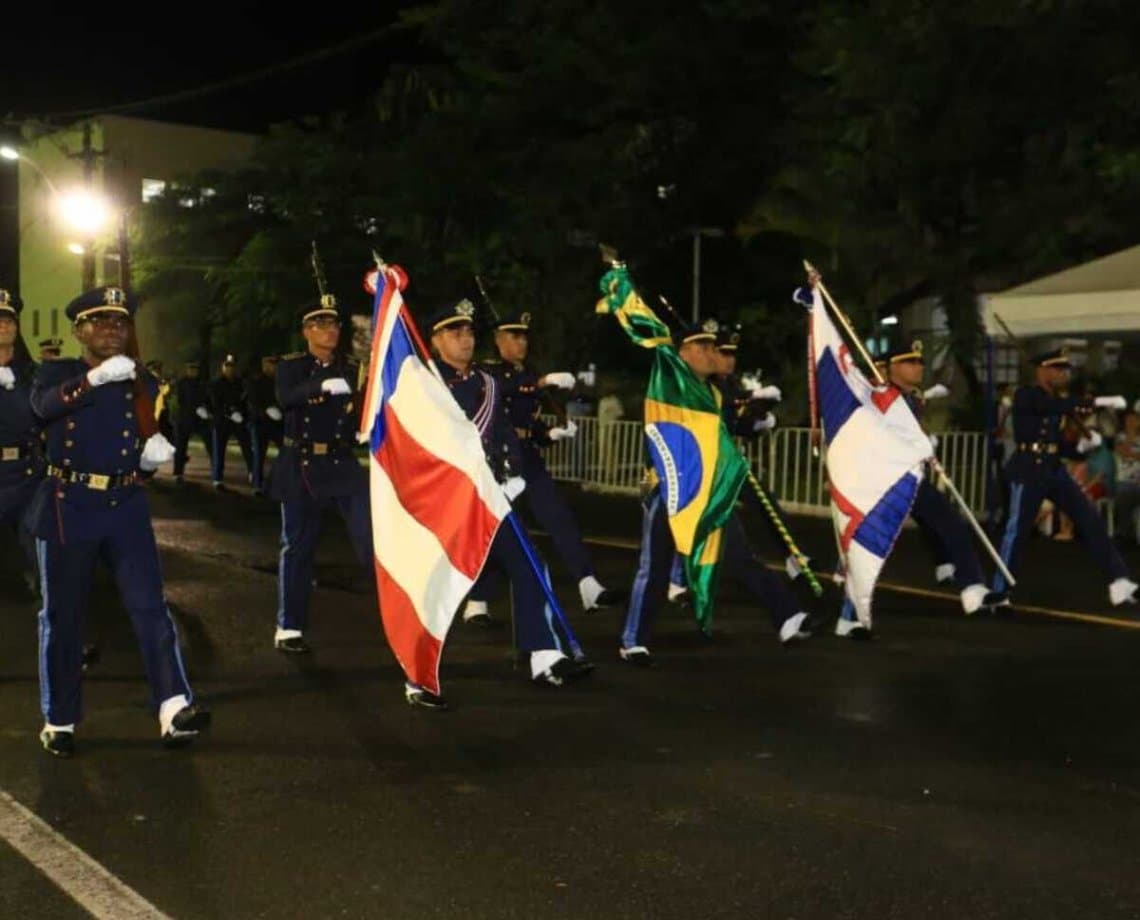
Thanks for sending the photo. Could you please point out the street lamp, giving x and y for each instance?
(80, 209)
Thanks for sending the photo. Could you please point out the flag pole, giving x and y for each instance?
(551, 600)
(934, 462)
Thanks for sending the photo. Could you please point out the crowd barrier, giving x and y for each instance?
(609, 456)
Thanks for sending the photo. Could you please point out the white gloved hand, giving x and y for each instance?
(568, 430)
(765, 423)
(202, 412)
(114, 369)
(274, 413)
(156, 452)
(1110, 402)
(934, 442)
(236, 418)
(938, 391)
(336, 386)
(588, 376)
(1091, 442)
(564, 380)
(514, 487)
(7, 378)
(771, 392)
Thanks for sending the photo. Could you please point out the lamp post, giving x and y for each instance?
(698, 233)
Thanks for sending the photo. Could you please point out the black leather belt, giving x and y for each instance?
(14, 452)
(317, 448)
(100, 482)
(1036, 447)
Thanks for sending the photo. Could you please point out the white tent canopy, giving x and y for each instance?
(1101, 296)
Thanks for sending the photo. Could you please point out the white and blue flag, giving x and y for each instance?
(875, 455)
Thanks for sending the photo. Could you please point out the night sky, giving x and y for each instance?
(69, 60)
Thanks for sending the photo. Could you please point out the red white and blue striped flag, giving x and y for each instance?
(436, 507)
(875, 454)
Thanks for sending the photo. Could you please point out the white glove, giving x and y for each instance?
(114, 369)
(156, 452)
(7, 378)
(514, 487)
(1110, 402)
(566, 431)
(764, 424)
(561, 379)
(274, 413)
(336, 386)
(938, 391)
(934, 442)
(756, 390)
(235, 417)
(1092, 442)
(588, 376)
(202, 412)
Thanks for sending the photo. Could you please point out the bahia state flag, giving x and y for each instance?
(875, 454)
(435, 504)
(696, 461)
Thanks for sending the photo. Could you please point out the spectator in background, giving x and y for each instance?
(1128, 476)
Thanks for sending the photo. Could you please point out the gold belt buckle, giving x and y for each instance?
(10, 453)
(99, 482)
(320, 448)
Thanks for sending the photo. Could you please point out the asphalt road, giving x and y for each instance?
(953, 767)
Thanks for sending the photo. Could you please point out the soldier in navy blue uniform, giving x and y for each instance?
(940, 523)
(192, 416)
(698, 350)
(227, 408)
(317, 467)
(265, 417)
(91, 506)
(520, 388)
(50, 348)
(478, 394)
(1035, 472)
(21, 460)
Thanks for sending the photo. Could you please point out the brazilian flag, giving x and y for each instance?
(697, 464)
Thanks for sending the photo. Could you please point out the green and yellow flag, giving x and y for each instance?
(697, 464)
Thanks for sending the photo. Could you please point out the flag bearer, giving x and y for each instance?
(698, 351)
(903, 368)
(317, 467)
(520, 389)
(92, 506)
(477, 392)
(1035, 472)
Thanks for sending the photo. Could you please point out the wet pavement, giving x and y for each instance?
(953, 767)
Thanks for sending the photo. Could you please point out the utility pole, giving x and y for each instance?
(88, 155)
(697, 233)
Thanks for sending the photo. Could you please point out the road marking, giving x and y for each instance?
(95, 889)
(1097, 618)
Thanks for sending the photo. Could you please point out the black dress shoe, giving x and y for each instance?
(58, 744)
(294, 645)
(186, 725)
(583, 666)
(610, 597)
(418, 696)
(479, 621)
(638, 656)
(563, 670)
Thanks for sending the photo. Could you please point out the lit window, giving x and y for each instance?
(152, 188)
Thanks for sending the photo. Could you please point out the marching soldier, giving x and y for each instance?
(264, 417)
(1035, 472)
(21, 460)
(698, 350)
(192, 418)
(50, 349)
(520, 389)
(903, 368)
(316, 467)
(92, 505)
(227, 406)
(477, 392)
